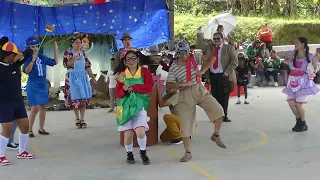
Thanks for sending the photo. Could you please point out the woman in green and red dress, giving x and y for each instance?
(134, 84)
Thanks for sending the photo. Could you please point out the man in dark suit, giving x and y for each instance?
(222, 72)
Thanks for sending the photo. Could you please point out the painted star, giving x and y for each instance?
(97, 24)
(160, 17)
(134, 8)
(14, 10)
(113, 21)
(110, 11)
(127, 29)
(68, 24)
(162, 34)
(118, 32)
(15, 26)
(111, 27)
(130, 17)
(145, 22)
(104, 24)
(84, 22)
(86, 12)
(135, 19)
(97, 13)
(35, 29)
(54, 25)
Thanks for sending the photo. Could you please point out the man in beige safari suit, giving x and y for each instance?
(222, 70)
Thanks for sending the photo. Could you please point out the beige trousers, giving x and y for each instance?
(189, 98)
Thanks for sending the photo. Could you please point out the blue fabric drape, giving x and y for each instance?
(146, 20)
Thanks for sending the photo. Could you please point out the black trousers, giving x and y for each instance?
(245, 91)
(217, 91)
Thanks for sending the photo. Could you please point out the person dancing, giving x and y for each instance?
(37, 88)
(134, 83)
(11, 101)
(77, 89)
(185, 76)
(300, 83)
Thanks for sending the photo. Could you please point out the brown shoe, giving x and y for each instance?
(218, 141)
(187, 156)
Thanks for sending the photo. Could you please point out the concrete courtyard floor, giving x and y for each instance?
(260, 145)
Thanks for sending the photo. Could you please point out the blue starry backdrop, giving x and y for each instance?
(146, 20)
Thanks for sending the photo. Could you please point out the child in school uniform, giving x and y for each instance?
(242, 72)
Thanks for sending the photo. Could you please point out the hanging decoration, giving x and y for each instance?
(48, 29)
(100, 1)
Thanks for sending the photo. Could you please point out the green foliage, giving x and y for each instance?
(285, 31)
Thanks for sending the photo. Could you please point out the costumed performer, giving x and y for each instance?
(185, 76)
(11, 102)
(77, 91)
(134, 84)
(37, 88)
(300, 82)
(172, 132)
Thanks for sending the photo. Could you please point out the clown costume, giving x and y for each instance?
(134, 84)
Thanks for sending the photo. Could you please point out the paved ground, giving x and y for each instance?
(259, 140)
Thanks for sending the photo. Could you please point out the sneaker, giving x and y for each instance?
(175, 141)
(130, 158)
(239, 102)
(4, 161)
(275, 84)
(12, 146)
(25, 155)
(187, 156)
(246, 102)
(144, 157)
(270, 83)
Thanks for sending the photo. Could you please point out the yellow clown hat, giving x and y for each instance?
(10, 47)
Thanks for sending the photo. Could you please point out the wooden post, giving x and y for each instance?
(171, 22)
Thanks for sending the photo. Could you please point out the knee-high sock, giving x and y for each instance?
(128, 147)
(3, 144)
(142, 143)
(23, 141)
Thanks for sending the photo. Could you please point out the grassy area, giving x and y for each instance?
(285, 30)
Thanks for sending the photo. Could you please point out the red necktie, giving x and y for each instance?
(216, 54)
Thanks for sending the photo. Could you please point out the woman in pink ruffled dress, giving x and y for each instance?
(300, 82)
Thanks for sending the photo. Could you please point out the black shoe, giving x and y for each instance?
(105, 72)
(302, 126)
(43, 132)
(296, 125)
(226, 119)
(130, 158)
(144, 157)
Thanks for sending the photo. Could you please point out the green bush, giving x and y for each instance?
(285, 31)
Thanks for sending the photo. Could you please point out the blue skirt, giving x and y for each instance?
(80, 87)
(37, 92)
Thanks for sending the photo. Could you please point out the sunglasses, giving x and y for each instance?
(218, 38)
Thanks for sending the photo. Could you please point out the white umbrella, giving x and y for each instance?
(227, 20)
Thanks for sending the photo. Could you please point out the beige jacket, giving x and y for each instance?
(229, 59)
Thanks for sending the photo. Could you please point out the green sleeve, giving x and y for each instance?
(265, 63)
(276, 63)
(249, 50)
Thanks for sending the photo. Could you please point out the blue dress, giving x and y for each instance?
(37, 89)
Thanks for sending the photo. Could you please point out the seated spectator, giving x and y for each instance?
(264, 52)
(259, 68)
(285, 71)
(252, 52)
(272, 68)
(316, 58)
